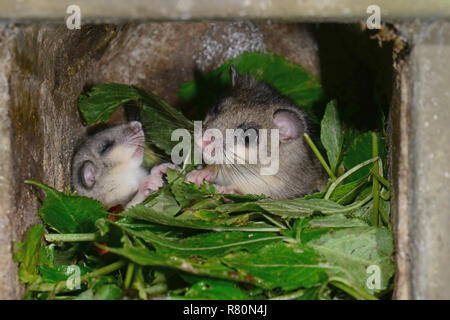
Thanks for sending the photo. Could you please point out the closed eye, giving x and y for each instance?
(106, 146)
(213, 112)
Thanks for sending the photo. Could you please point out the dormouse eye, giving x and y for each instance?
(250, 136)
(214, 111)
(106, 146)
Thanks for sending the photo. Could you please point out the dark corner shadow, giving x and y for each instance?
(356, 71)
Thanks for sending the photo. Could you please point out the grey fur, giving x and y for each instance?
(255, 103)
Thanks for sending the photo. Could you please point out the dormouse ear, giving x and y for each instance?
(87, 174)
(289, 124)
(236, 79)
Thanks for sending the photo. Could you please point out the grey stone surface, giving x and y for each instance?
(298, 10)
(161, 56)
(399, 132)
(422, 198)
(9, 286)
(430, 150)
(44, 67)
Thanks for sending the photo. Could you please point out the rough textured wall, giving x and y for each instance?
(44, 67)
(421, 170)
(9, 286)
(299, 10)
(160, 56)
(429, 160)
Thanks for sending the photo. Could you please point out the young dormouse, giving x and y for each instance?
(251, 106)
(107, 167)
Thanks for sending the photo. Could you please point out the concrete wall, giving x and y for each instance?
(421, 156)
(294, 10)
(9, 284)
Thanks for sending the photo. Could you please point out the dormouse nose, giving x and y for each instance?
(135, 126)
(205, 140)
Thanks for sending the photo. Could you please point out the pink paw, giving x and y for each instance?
(154, 181)
(149, 184)
(161, 169)
(198, 176)
(225, 189)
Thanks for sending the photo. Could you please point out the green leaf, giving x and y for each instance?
(108, 292)
(343, 194)
(347, 193)
(160, 120)
(158, 117)
(239, 207)
(300, 207)
(331, 135)
(276, 265)
(105, 292)
(354, 250)
(311, 294)
(211, 267)
(288, 208)
(27, 253)
(85, 295)
(99, 103)
(47, 256)
(207, 244)
(281, 266)
(141, 212)
(162, 204)
(289, 79)
(60, 273)
(243, 197)
(212, 289)
(360, 150)
(185, 193)
(69, 214)
(336, 221)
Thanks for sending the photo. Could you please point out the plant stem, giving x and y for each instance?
(129, 275)
(290, 296)
(348, 208)
(156, 289)
(344, 197)
(345, 175)
(298, 234)
(70, 237)
(105, 270)
(274, 221)
(385, 196)
(319, 156)
(380, 179)
(351, 289)
(375, 185)
(385, 217)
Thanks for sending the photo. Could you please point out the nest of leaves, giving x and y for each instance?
(189, 242)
